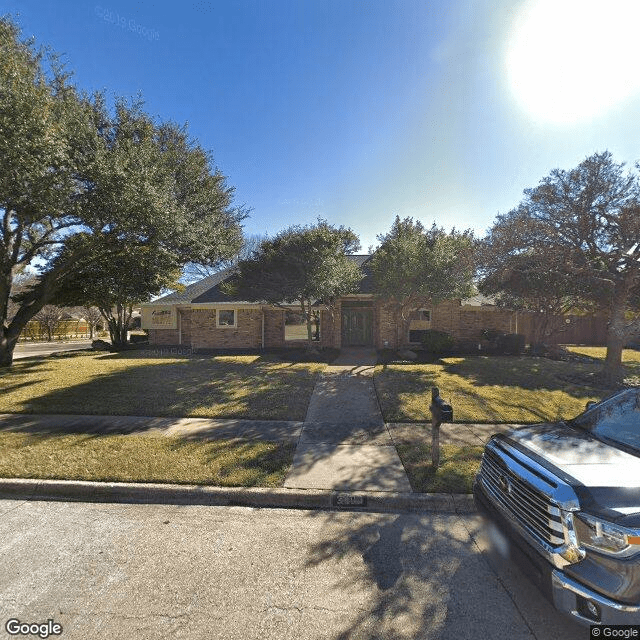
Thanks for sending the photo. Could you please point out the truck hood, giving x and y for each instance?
(604, 477)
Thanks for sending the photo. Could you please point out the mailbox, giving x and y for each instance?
(440, 410)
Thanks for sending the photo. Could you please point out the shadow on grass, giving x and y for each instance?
(197, 387)
(519, 371)
(458, 466)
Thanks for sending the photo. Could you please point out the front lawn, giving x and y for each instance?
(490, 389)
(144, 459)
(137, 384)
(458, 467)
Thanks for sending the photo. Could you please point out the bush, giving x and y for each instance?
(504, 343)
(435, 341)
(511, 343)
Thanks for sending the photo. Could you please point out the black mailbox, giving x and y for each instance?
(440, 410)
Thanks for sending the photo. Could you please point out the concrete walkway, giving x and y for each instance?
(344, 444)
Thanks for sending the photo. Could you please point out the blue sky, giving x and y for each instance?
(356, 111)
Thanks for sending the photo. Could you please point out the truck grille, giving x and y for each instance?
(523, 502)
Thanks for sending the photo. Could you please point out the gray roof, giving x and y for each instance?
(208, 289)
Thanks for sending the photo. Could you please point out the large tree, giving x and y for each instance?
(523, 283)
(69, 166)
(583, 225)
(45, 139)
(414, 267)
(303, 265)
(116, 280)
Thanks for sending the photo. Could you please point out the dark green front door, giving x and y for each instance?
(357, 327)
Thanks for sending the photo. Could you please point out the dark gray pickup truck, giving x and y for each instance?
(564, 502)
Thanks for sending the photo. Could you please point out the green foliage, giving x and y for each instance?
(68, 165)
(573, 242)
(435, 341)
(414, 267)
(114, 278)
(301, 264)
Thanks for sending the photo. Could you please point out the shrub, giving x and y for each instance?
(435, 341)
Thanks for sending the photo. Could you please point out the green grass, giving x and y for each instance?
(494, 389)
(144, 459)
(458, 466)
(630, 357)
(132, 383)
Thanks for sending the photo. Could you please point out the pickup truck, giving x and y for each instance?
(563, 500)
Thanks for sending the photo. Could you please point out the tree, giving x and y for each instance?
(92, 317)
(521, 283)
(250, 244)
(307, 265)
(117, 280)
(157, 205)
(39, 175)
(50, 317)
(414, 267)
(70, 166)
(584, 227)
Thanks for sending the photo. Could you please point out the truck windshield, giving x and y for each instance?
(616, 419)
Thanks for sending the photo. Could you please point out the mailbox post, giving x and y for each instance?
(440, 412)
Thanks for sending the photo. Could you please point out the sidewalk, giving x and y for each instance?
(344, 444)
(345, 454)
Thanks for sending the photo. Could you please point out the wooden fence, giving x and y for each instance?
(66, 329)
(569, 329)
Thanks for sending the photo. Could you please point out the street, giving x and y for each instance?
(31, 349)
(172, 571)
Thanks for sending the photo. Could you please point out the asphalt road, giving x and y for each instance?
(166, 571)
(29, 350)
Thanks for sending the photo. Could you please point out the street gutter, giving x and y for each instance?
(260, 497)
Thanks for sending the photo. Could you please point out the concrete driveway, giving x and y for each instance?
(30, 350)
(160, 571)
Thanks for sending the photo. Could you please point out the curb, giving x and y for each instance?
(138, 493)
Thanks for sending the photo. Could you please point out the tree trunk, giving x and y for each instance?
(7, 345)
(612, 370)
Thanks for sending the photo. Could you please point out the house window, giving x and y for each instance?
(424, 315)
(416, 335)
(295, 325)
(226, 318)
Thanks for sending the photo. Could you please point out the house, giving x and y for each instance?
(205, 317)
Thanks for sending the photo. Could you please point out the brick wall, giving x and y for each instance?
(472, 321)
(199, 330)
(184, 318)
(163, 336)
(273, 328)
(206, 335)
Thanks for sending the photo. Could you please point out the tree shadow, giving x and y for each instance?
(196, 387)
(419, 576)
(520, 371)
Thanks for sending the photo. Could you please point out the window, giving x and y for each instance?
(416, 335)
(424, 315)
(226, 318)
(295, 325)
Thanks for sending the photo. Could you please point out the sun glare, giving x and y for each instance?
(572, 60)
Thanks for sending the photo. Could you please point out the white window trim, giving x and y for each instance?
(227, 326)
(428, 311)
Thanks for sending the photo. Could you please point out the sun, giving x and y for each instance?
(572, 60)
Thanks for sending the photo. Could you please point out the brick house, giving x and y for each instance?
(204, 317)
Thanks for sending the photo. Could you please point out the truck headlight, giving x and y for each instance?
(605, 536)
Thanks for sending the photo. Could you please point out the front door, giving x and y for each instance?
(357, 327)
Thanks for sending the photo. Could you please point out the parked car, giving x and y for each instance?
(563, 500)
